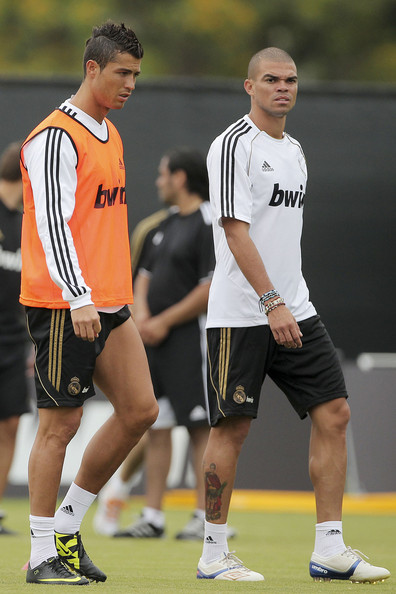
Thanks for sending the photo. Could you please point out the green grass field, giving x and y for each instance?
(277, 544)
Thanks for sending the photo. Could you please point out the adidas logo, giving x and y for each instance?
(121, 164)
(266, 167)
(32, 534)
(210, 540)
(333, 532)
(68, 510)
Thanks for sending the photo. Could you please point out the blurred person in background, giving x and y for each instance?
(13, 336)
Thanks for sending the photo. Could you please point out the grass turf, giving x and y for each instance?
(277, 544)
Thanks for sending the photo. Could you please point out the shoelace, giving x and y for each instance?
(61, 568)
(355, 553)
(232, 560)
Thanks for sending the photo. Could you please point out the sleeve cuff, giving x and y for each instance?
(81, 301)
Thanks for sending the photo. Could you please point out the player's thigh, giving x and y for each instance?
(122, 371)
(238, 359)
(312, 375)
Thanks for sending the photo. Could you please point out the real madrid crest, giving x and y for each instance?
(74, 388)
(239, 395)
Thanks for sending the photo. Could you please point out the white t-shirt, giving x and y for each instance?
(260, 180)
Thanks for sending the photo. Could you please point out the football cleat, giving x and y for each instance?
(71, 551)
(141, 529)
(348, 565)
(228, 567)
(53, 571)
(195, 530)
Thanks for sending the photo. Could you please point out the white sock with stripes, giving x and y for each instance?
(328, 539)
(215, 542)
(72, 510)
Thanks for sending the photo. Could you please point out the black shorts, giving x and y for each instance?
(13, 383)
(177, 368)
(64, 363)
(240, 358)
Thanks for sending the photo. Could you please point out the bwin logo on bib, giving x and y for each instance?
(291, 198)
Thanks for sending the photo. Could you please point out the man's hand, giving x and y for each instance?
(86, 322)
(154, 330)
(284, 328)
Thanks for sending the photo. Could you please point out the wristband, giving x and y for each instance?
(266, 296)
(273, 305)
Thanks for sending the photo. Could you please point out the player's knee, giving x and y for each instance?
(234, 430)
(333, 416)
(139, 420)
(59, 429)
(344, 414)
(151, 415)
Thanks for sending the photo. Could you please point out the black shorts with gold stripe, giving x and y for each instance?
(240, 358)
(65, 364)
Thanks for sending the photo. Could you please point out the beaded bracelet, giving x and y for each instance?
(266, 296)
(273, 305)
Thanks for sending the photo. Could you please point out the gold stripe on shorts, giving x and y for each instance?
(224, 360)
(55, 346)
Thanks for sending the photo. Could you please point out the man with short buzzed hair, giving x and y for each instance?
(261, 322)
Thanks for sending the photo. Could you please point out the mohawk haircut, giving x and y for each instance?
(109, 39)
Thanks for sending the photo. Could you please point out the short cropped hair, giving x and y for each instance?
(109, 39)
(193, 163)
(10, 162)
(275, 54)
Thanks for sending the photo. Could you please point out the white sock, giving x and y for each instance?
(72, 510)
(42, 540)
(328, 539)
(154, 516)
(215, 542)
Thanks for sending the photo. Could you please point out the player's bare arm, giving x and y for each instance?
(195, 303)
(140, 309)
(86, 322)
(283, 325)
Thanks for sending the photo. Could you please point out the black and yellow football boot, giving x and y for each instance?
(71, 550)
(54, 571)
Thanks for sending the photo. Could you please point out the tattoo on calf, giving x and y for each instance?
(213, 490)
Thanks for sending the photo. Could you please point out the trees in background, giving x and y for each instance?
(352, 40)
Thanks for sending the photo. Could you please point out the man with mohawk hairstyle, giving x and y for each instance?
(76, 286)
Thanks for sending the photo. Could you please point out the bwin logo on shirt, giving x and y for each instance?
(287, 197)
(109, 197)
